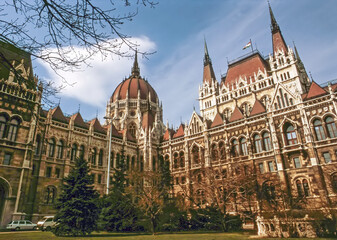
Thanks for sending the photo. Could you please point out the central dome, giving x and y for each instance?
(129, 88)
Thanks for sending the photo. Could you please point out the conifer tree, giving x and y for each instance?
(118, 213)
(77, 204)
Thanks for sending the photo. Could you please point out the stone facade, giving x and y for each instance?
(264, 115)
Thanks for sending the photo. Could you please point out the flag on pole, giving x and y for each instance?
(247, 45)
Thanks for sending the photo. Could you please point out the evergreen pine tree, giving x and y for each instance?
(77, 204)
(118, 213)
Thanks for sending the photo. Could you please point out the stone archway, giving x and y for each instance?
(6, 206)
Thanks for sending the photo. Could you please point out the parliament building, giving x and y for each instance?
(265, 115)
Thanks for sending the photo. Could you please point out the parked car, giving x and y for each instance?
(21, 225)
(46, 223)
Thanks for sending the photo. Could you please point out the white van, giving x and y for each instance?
(46, 223)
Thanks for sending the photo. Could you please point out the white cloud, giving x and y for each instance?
(94, 85)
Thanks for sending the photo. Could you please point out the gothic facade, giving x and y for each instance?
(264, 118)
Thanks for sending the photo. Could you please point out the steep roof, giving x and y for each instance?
(315, 91)
(169, 132)
(217, 121)
(97, 126)
(180, 131)
(245, 67)
(148, 120)
(57, 115)
(236, 115)
(257, 108)
(78, 121)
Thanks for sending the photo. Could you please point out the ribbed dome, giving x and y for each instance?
(131, 86)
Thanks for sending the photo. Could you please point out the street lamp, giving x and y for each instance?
(109, 156)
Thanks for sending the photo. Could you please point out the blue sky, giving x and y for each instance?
(175, 30)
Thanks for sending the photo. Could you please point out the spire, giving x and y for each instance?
(135, 69)
(278, 40)
(209, 75)
(274, 26)
(207, 59)
(296, 53)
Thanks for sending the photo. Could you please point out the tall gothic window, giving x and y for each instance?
(73, 152)
(3, 121)
(132, 129)
(181, 159)
(93, 156)
(50, 195)
(243, 146)
(291, 135)
(306, 188)
(235, 148)
(319, 131)
(82, 149)
(59, 149)
(331, 127)
(13, 129)
(257, 143)
(266, 141)
(222, 150)
(214, 153)
(299, 188)
(334, 182)
(100, 158)
(37, 145)
(51, 147)
(175, 160)
(195, 155)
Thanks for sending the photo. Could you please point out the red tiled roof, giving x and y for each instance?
(57, 115)
(279, 43)
(315, 91)
(167, 134)
(236, 115)
(208, 74)
(97, 126)
(131, 86)
(148, 120)
(217, 121)
(245, 68)
(257, 108)
(180, 131)
(78, 121)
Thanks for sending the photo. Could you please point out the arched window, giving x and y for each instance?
(257, 143)
(93, 156)
(182, 159)
(112, 159)
(133, 163)
(59, 149)
(334, 182)
(51, 147)
(214, 153)
(100, 158)
(73, 152)
(243, 146)
(13, 129)
(118, 160)
(306, 188)
(291, 135)
(175, 160)
(82, 149)
(3, 121)
(235, 148)
(132, 129)
(50, 195)
(195, 155)
(331, 127)
(266, 141)
(154, 163)
(319, 131)
(222, 150)
(299, 188)
(37, 145)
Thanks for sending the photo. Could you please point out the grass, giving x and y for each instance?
(124, 236)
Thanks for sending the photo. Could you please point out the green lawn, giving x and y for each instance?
(179, 236)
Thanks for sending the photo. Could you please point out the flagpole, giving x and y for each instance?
(251, 44)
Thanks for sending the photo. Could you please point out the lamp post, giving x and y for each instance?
(109, 157)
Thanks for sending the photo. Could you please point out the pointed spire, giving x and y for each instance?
(135, 69)
(274, 26)
(207, 59)
(296, 53)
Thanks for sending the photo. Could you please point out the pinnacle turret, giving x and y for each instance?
(207, 59)
(135, 69)
(274, 26)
